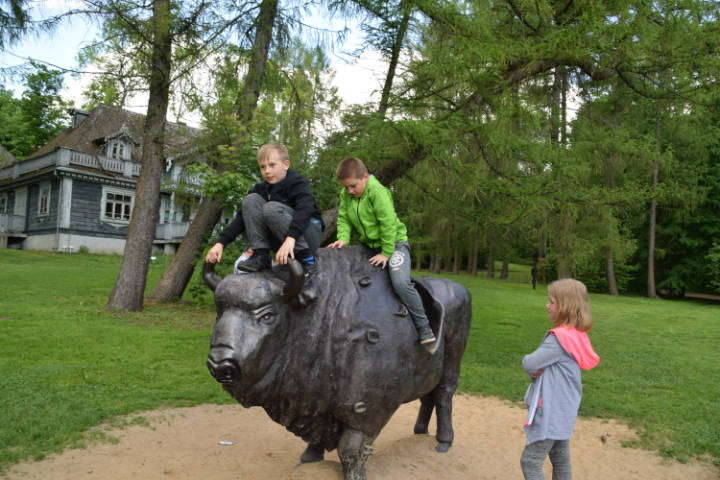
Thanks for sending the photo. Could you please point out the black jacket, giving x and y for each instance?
(294, 191)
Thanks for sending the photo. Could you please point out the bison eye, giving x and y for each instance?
(265, 315)
(267, 318)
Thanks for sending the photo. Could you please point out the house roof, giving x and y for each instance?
(105, 122)
(6, 158)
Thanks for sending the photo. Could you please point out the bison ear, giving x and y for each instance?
(306, 296)
(210, 276)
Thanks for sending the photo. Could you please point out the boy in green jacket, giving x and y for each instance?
(367, 207)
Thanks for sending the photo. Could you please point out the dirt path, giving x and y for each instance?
(183, 444)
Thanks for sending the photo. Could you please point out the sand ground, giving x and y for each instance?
(184, 444)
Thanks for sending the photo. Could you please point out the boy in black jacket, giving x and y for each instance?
(279, 214)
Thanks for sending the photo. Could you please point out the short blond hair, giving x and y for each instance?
(264, 151)
(573, 304)
(351, 167)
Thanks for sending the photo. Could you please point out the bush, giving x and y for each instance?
(713, 258)
(197, 291)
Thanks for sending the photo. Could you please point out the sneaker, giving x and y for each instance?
(426, 335)
(255, 263)
(427, 339)
(430, 346)
(311, 269)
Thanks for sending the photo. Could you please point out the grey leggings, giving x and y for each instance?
(534, 455)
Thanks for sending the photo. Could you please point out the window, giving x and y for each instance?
(117, 205)
(44, 199)
(119, 150)
(3, 203)
(165, 202)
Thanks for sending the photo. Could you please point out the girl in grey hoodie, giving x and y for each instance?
(553, 397)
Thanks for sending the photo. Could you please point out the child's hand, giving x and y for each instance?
(337, 244)
(285, 252)
(215, 253)
(379, 260)
(538, 373)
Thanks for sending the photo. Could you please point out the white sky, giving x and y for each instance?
(358, 82)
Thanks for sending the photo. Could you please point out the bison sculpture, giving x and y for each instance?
(332, 359)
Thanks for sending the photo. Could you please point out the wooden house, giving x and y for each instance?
(78, 190)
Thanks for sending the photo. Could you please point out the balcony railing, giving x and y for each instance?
(65, 157)
(171, 231)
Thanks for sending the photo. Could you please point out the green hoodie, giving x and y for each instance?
(372, 216)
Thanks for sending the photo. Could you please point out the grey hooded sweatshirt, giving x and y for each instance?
(553, 398)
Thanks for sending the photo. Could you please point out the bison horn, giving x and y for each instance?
(296, 281)
(210, 277)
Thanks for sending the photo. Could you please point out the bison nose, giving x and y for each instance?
(224, 372)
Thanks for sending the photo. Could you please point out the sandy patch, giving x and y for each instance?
(183, 444)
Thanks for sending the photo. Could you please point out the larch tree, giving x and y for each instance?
(129, 287)
(177, 275)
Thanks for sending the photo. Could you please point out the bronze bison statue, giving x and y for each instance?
(332, 359)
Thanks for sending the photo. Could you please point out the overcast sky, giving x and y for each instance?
(357, 81)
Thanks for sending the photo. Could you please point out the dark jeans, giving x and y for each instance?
(267, 224)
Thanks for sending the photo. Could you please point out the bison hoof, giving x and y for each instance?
(421, 430)
(312, 454)
(442, 447)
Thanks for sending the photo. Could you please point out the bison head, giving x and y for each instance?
(253, 310)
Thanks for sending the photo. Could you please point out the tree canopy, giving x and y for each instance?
(578, 131)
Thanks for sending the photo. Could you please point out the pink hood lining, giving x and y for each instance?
(577, 344)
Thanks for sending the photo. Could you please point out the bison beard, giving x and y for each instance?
(334, 361)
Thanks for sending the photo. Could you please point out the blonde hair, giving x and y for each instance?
(573, 304)
(265, 150)
(351, 167)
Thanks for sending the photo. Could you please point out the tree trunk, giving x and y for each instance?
(456, 261)
(555, 107)
(562, 223)
(447, 253)
(652, 292)
(130, 285)
(505, 269)
(491, 266)
(610, 266)
(176, 276)
(394, 57)
(474, 257)
(438, 261)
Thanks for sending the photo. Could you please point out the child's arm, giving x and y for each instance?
(215, 253)
(548, 352)
(343, 225)
(384, 210)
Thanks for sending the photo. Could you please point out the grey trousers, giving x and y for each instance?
(534, 455)
(267, 225)
(399, 267)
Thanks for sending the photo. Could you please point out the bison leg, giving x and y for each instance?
(313, 453)
(353, 451)
(423, 419)
(443, 395)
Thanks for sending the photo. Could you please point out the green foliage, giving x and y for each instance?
(14, 21)
(27, 123)
(713, 266)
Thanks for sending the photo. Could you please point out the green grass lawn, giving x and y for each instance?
(67, 365)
